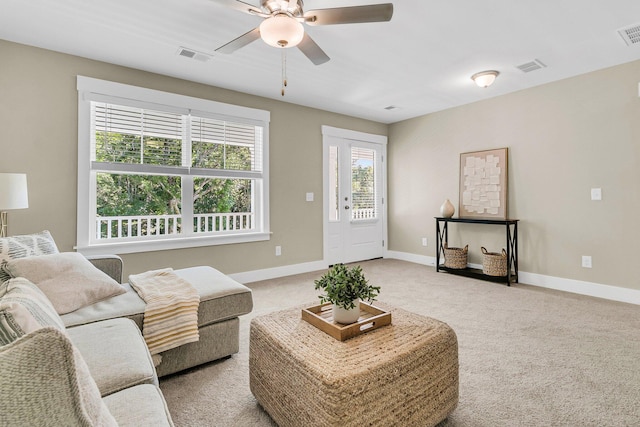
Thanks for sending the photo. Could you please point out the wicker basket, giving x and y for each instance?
(493, 263)
(455, 257)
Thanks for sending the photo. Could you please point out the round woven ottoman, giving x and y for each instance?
(404, 374)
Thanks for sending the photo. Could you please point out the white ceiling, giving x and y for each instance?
(421, 61)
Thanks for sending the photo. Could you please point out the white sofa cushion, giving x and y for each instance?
(142, 405)
(24, 246)
(116, 354)
(68, 279)
(24, 309)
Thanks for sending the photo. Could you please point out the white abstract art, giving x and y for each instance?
(483, 184)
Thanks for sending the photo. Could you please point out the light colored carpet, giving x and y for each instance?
(528, 356)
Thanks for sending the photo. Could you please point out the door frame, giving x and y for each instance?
(381, 140)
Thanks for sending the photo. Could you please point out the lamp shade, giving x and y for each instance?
(13, 191)
(281, 31)
(485, 78)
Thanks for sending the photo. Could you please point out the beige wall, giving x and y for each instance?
(38, 136)
(564, 138)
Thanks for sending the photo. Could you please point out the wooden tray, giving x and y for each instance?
(321, 316)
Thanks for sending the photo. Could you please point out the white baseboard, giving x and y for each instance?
(614, 293)
(417, 259)
(275, 272)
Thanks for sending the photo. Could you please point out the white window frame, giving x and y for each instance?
(95, 90)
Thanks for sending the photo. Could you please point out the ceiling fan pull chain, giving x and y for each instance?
(284, 70)
(284, 52)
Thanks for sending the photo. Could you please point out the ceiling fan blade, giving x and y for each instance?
(240, 5)
(312, 50)
(241, 41)
(350, 15)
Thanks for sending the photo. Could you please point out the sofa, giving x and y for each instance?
(91, 366)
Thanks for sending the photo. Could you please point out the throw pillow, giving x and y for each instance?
(26, 245)
(24, 309)
(68, 279)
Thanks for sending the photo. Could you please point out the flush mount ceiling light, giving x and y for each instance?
(281, 30)
(485, 78)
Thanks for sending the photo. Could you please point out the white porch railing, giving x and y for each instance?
(207, 223)
(115, 227)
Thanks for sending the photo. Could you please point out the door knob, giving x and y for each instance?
(346, 207)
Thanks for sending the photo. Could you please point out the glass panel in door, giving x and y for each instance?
(334, 182)
(363, 184)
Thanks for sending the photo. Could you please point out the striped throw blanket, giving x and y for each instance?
(171, 313)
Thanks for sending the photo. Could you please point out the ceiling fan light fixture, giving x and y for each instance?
(485, 78)
(281, 30)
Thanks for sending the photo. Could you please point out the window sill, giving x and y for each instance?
(168, 244)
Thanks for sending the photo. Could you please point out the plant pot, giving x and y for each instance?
(344, 316)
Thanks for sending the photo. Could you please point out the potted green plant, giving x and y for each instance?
(344, 287)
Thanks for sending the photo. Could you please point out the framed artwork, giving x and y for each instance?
(483, 184)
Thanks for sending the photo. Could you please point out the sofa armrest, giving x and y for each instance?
(109, 264)
(45, 381)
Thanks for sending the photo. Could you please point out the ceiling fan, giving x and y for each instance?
(282, 26)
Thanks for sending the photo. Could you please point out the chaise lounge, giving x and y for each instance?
(222, 300)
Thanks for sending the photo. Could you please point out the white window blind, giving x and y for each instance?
(126, 137)
(225, 145)
(136, 136)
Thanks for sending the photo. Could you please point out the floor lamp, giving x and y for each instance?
(13, 195)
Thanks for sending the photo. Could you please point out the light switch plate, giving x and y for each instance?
(309, 197)
(596, 194)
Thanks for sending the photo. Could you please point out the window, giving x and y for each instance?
(160, 171)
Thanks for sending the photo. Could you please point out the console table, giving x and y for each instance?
(511, 228)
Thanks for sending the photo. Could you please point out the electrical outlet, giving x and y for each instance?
(596, 194)
(586, 261)
(278, 250)
(424, 241)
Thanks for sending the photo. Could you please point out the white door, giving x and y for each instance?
(354, 191)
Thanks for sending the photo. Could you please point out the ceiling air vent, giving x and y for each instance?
(536, 64)
(630, 35)
(192, 54)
